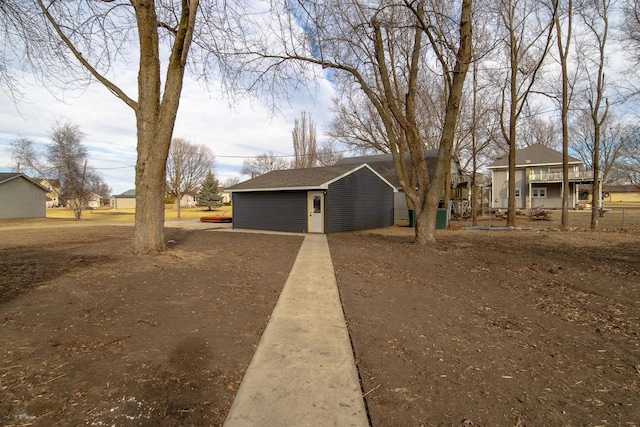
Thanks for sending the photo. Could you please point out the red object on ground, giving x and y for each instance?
(216, 219)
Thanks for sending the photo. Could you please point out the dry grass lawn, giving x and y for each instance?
(105, 214)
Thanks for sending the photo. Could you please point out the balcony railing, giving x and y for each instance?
(585, 176)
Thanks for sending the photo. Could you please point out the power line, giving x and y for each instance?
(116, 167)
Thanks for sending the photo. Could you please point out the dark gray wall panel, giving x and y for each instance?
(357, 202)
(271, 210)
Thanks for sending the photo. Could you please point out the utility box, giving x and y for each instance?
(442, 219)
(412, 218)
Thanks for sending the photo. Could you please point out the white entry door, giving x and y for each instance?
(316, 211)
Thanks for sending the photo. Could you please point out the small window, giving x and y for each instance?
(539, 193)
(317, 204)
(517, 193)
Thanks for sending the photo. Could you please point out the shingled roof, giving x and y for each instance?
(533, 155)
(299, 179)
(383, 164)
(628, 188)
(8, 176)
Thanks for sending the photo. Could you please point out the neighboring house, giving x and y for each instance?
(226, 196)
(21, 197)
(621, 194)
(316, 200)
(126, 200)
(383, 164)
(189, 200)
(92, 200)
(53, 195)
(538, 179)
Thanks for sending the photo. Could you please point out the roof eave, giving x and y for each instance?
(301, 188)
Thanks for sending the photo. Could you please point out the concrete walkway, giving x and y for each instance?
(303, 373)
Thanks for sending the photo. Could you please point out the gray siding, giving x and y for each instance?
(271, 210)
(554, 196)
(20, 198)
(500, 188)
(400, 208)
(358, 201)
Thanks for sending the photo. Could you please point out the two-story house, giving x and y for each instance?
(53, 196)
(538, 179)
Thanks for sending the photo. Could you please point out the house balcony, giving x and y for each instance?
(574, 176)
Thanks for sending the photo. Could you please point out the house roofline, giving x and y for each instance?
(323, 186)
(31, 180)
(306, 188)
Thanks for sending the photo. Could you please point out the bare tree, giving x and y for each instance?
(187, 166)
(526, 31)
(305, 147)
(477, 124)
(65, 159)
(595, 17)
(483, 130)
(329, 154)
(357, 124)
(263, 163)
(563, 24)
(614, 146)
(631, 28)
(75, 43)
(630, 161)
(363, 46)
(538, 130)
(68, 159)
(231, 181)
(96, 185)
(28, 158)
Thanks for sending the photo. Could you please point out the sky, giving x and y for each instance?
(234, 133)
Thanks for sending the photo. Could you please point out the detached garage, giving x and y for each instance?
(21, 197)
(314, 200)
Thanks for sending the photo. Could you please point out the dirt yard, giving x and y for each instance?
(511, 328)
(495, 328)
(92, 335)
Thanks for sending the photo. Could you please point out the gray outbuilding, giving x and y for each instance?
(21, 197)
(327, 200)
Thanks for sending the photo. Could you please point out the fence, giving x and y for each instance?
(614, 218)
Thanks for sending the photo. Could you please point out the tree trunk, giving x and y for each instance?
(474, 154)
(513, 146)
(563, 51)
(595, 188)
(150, 190)
(425, 226)
(426, 222)
(155, 118)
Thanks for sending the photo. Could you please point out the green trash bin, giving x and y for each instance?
(412, 218)
(442, 219)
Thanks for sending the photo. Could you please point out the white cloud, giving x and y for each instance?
(204, 117)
